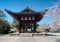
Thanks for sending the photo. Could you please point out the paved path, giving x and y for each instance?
(26, 39)
(17, 39)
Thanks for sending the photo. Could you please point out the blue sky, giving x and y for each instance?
(18, 5)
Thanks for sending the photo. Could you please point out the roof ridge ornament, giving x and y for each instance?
(27, 10)
(27, 7)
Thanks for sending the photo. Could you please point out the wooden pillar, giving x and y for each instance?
(34, 27)
(23, 30)
(25, 27)
(30, 24)
(19, 27)
(31, 27)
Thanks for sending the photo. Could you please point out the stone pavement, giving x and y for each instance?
(26, 39)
